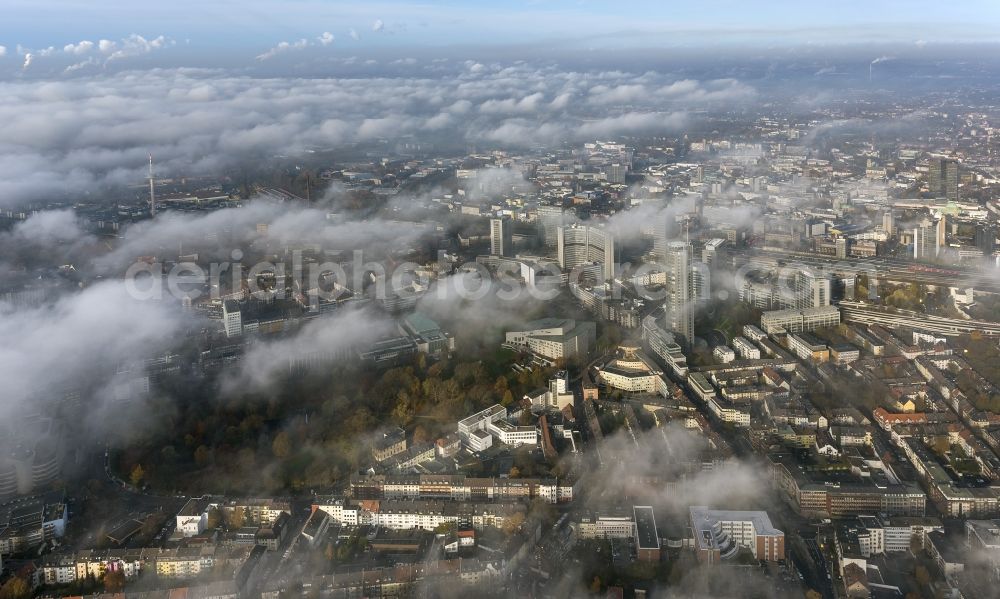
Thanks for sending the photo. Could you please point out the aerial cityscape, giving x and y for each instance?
(537, 299)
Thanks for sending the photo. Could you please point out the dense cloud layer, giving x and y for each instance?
(50, 349)
(65, 138)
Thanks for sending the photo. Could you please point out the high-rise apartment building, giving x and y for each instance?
(501, 237)
(929, 238)
(680, 290)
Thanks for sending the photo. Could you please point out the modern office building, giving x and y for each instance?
(986, 238)
(579, 245)
(943, 178)
(812, 290)
(549, 220)
(711, 252)
(929, 238)
(606, 526)
(631, 371)
(232, 318)
(616, 173)
(554, 338)
(662, 344)
(923, 241)
(647, 537)
(795, 321)
(889, 224)
(720, 534)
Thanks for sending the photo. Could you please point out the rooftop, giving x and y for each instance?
(646, 534)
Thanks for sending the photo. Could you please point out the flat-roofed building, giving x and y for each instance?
(746, 349)
(753, 333)
(578, 245)
(844, 353)
(554, 338)
(808, 347)
(647, 537)
(509, 434)
(796, 321)
(723, 354)
(720, 534)
(606, 526)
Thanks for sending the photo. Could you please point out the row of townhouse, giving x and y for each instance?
(175, 564)
(424, 514)
(192, 519)
(401, 580)
(459, 487)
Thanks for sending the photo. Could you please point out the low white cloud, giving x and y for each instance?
(378, 25)
(80, 48)
(77, 66)
(283, 47)
(136, 45)
(326, 38)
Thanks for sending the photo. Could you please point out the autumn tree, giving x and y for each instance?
(114, 581)
(281, 447)
(15, 588)
(512, 523)
(137, 475)
(214, 518)
(201, 455)
(235, 518)
(595, 585)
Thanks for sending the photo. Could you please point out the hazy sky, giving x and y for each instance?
(89, 89)
(259, 24)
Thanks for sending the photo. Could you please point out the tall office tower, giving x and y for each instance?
(549, 220)
(679, 304)
(665, 231)
(840, 245)
(940, 234)
(925, 240)
(701, 282)
(152, 192)
(942, 178)
(889, 223)
(711, 254)
(812, 290)
(581, 244)
(616, 173)
(501, 237)
(986, 238)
